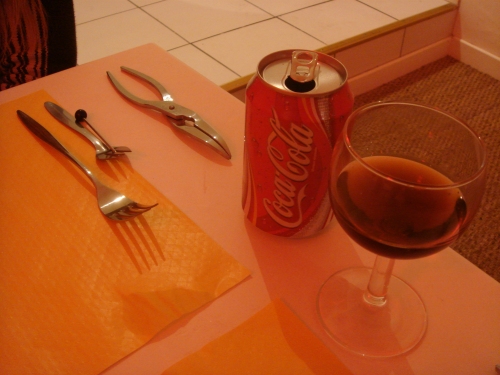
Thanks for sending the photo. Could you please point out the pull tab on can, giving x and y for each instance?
(302, 72)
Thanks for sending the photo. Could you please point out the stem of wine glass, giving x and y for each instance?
(376, 291)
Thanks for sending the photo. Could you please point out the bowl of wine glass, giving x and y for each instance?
(405, 181)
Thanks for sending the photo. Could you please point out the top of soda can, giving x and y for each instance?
(302, 72)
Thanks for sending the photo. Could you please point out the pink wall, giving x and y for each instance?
(476, 35)
(478, 23)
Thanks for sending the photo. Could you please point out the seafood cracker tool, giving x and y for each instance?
(181, 117)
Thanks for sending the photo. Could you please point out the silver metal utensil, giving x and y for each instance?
(182, 118)
(113, 204)
(103, 149)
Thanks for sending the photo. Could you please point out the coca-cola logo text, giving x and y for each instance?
(286, 208)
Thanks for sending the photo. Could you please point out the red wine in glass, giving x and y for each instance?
(405, 182)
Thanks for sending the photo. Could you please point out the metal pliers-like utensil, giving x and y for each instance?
(183, 118)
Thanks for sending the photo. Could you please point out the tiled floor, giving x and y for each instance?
(225, 39)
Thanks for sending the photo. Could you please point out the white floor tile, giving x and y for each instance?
(122, 31)
(242, 49)
(337, 20)
(401, 9)
(88, 10)
(204, 64)
(371, 54)
(198, 19)
(279, 7)
(225, 39)
(141, 3)
(428, 32)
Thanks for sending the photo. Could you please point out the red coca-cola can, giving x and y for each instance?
(296, 106)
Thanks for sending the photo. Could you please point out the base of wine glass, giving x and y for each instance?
(375, 331)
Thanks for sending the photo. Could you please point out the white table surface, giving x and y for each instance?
(463, 303)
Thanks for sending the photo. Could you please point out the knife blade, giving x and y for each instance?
(102, 148)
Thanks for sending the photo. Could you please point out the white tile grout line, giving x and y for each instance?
(271, 17)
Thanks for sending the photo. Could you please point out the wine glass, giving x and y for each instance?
(405, 181)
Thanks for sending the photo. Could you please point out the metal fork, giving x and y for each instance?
(103, 149)
(113, 204)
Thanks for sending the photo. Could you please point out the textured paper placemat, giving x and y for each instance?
(273, 341)
(78, 291)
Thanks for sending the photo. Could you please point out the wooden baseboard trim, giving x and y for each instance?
(476, 57)
(385, 73)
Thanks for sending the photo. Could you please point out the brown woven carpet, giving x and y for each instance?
(475, 98)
